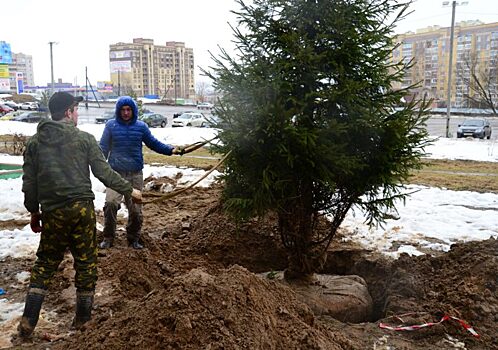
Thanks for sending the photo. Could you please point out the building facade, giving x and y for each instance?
(147, 69)
(429, 49)
(21, 63)
(16, 69)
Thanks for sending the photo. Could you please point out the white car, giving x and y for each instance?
(30, 106)
(190, 119)
(205, 105)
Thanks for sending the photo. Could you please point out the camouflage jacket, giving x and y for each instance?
(56, 167)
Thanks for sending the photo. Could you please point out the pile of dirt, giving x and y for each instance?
(197, 310)
(195, 287)
(462, 283)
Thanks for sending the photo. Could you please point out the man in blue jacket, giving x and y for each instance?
(121, 144)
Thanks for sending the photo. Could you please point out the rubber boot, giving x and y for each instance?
(29, 319)
(84, 304)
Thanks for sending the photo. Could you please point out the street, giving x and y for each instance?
(436, 125)
(87, 116)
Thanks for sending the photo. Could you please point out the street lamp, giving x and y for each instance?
(450, 63)
(51, 43)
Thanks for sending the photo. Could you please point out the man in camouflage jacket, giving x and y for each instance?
(57, 164)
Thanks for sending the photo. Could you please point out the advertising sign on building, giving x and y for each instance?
(119, 54)
(5, 53)
(4, 71)
(4, 84)
(19, 82)
(120, 66)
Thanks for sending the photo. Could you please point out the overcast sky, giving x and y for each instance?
(84, 30)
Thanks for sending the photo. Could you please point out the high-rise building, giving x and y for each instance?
(16, 69)
(147, 69)
(21, 63)
(430, 47)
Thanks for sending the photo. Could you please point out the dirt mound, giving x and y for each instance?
(462, 283)
(235, 309)
(188, 290)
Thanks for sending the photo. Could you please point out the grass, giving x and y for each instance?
(458, 175)
(200, 158)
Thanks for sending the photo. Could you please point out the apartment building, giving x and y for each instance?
(21, 66)
(14, 67)
(430, 47)
(148, 69)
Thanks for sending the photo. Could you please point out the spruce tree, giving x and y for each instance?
(311, 119)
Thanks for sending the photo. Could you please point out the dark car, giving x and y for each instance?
(4, 109)
(31, 117)
(108, 115)
(154, 119)
(12, 105)
(475, 127)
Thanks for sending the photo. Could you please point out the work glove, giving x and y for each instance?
(36, 224)
(136, 196)
(179, 151)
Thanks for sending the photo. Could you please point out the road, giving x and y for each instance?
(436, 125)
(87, 116)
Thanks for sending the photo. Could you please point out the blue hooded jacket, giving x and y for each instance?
(121, 141)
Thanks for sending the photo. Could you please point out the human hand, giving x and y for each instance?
(36, 225)
(136, 196)
(179, 151)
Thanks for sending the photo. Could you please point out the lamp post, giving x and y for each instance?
(51, 43)
(450, 63)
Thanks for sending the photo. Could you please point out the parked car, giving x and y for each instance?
(4, 109)
(31, 106)
(154, 119)
(215, 121)
(205, 105)
(8, 116)
(11, 104)
(475, 127)
(190, 119)
(107, 115)
(176, 115)
(31, 117)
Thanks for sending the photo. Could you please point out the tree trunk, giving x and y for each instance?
(296, 230)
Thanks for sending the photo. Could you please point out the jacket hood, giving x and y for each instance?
(56, 132)
(126, 101)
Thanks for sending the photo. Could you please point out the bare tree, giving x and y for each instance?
(202, 88)
(478, 76)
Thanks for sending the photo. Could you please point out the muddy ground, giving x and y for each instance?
(195, 287)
